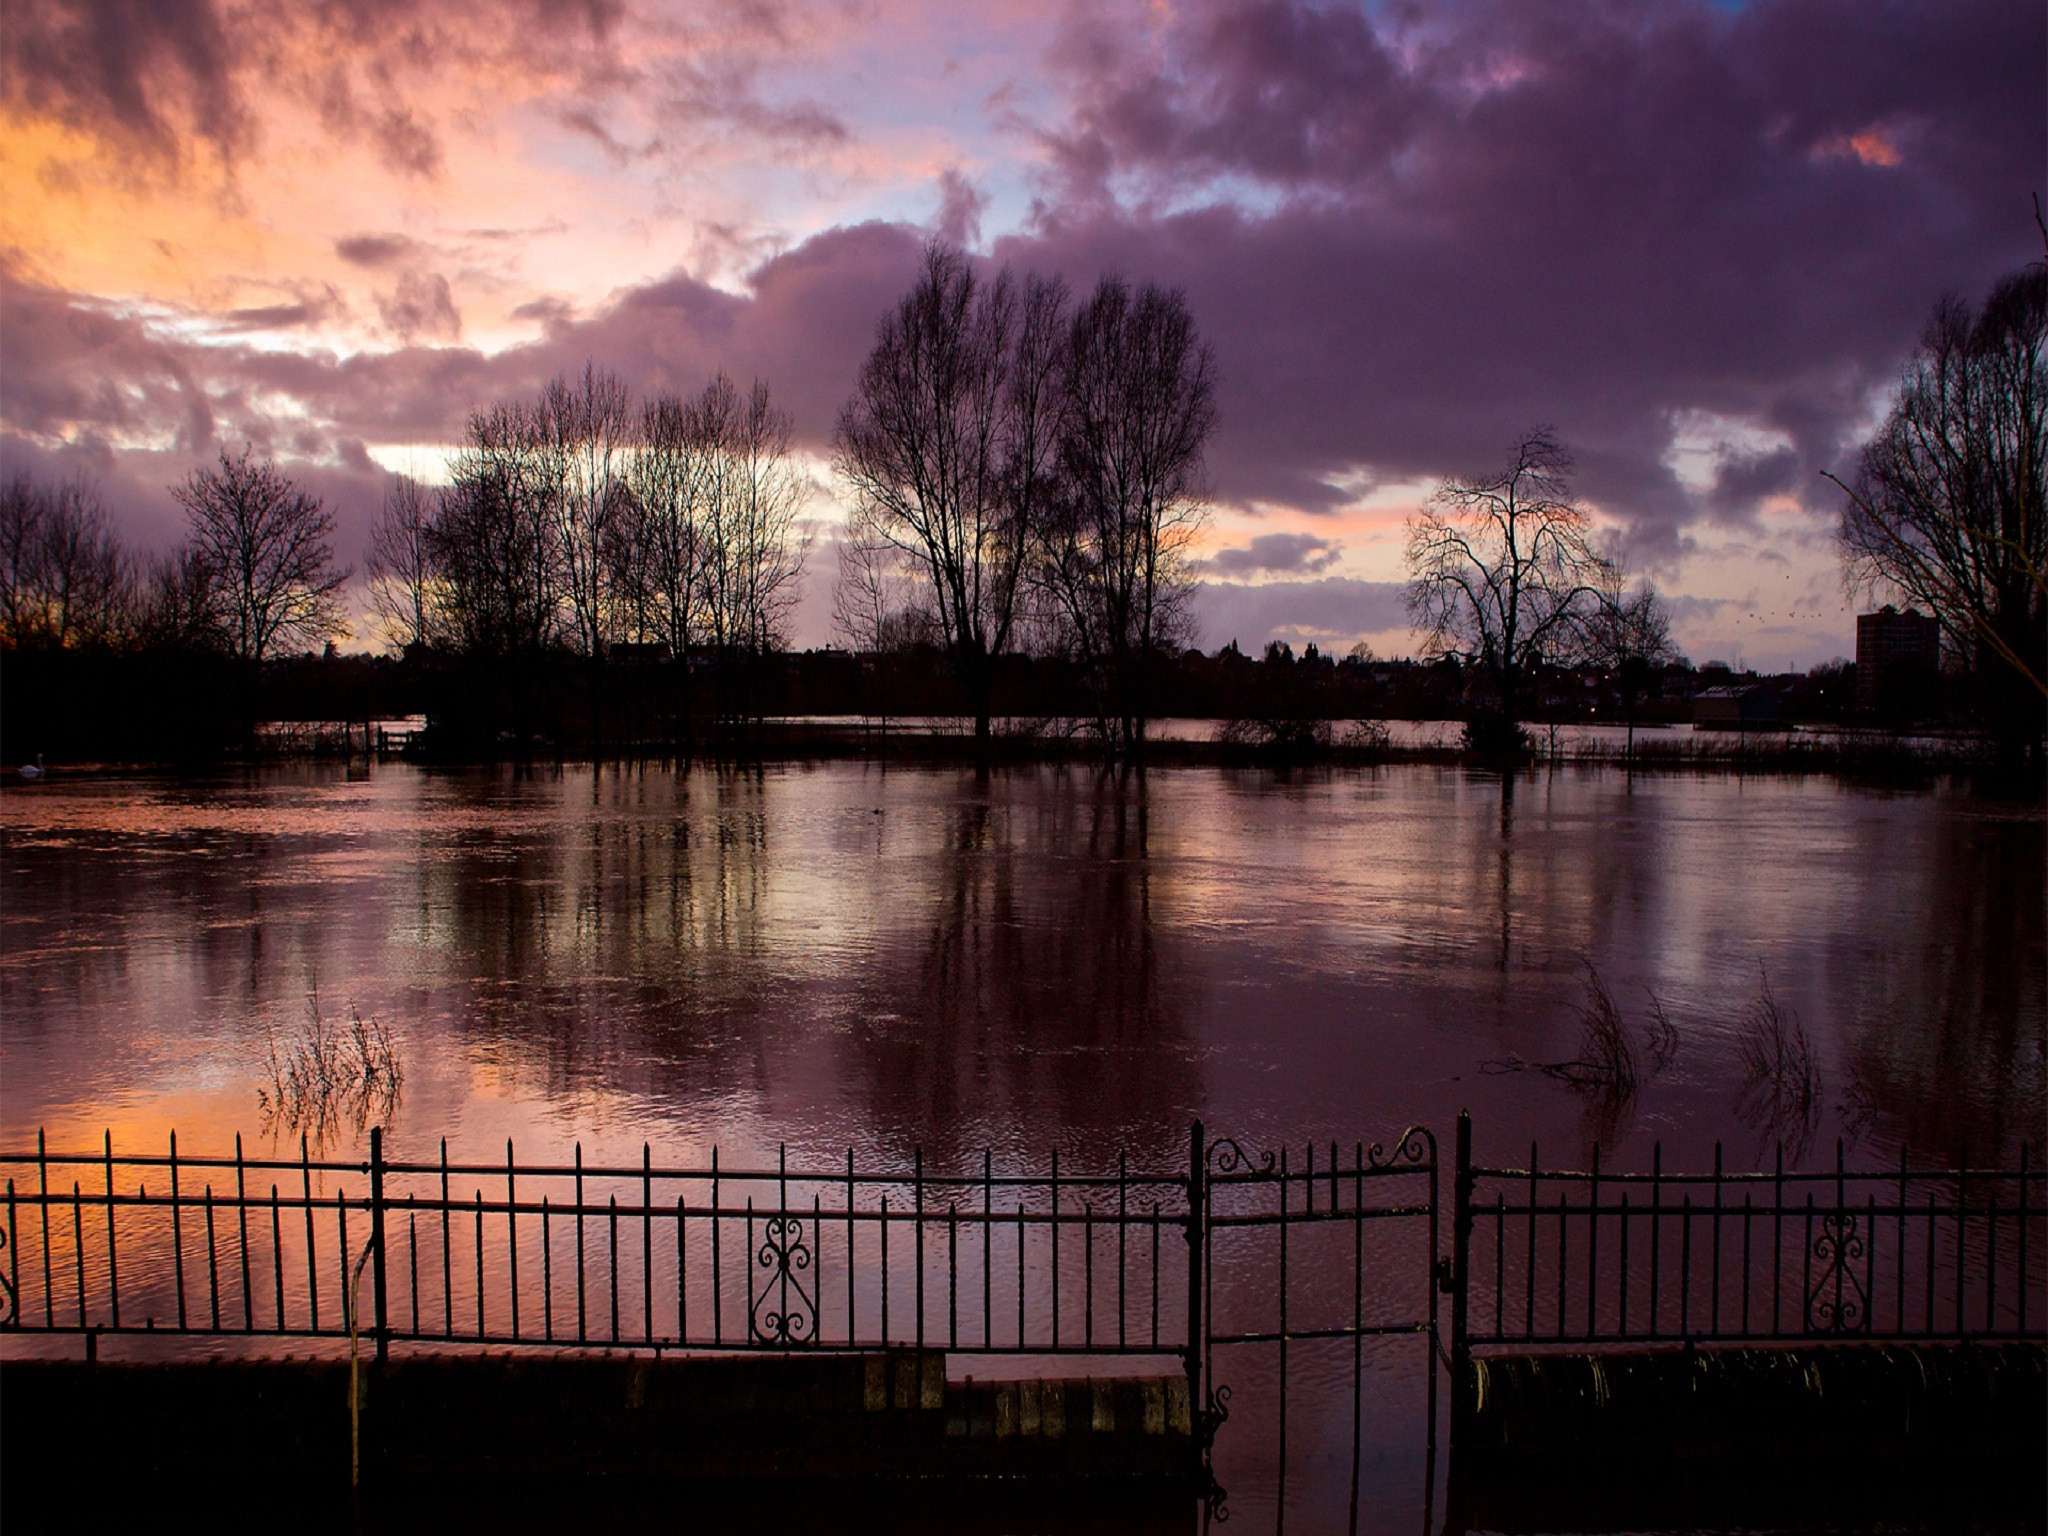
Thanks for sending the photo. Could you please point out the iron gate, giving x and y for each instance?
(1308, 1255)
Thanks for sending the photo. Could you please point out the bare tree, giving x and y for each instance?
(175, 606)
(401, 563)
(749, 557)
(265, 541)
(1948, 507)
(585, 427)
(661, 542)
(65, 580)
(1628, 635)
(945, 445)
(1501, 573)
(495, 539)
(1138, 405)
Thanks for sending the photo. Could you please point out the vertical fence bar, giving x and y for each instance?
(852, 1331)
(178, 1242)
(1714, 1322)
(479, 1263)
(512, 1235)
(379, 1293)
(1656, 1232)
(1055, 1247)
(1197, 1240)
(1357, 1316)
(1962, 1227)
(312, 1255)
(1280, 1487)
(447, 1252)
(612, 1217)
(412, 1266)
(717, 1269)
(1899, 1308)
(212, 1262)
(113, 1274)
(1777, 1239)
(581, 1328)
(917, 1263)
(883, 1222)
(547, 1272)
(1462, 1385)
(1529, 1301)
(277, 1254)
(43, 1189)
(78, 1244)
(1593, 1245)
(988, 1255)
(1123, 1184)
(2022, 1238)
(647, 1243)
(682, 1273)
(242, 1225)
(1088, 1274)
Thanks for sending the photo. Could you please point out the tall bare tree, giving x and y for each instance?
(495, 540)
(1948, 506)
(401, 563)
(1137, 407)
(585, 427)
(945, 443)
(1502, 574)
(65, 580)
(749, 559)
(266, 542)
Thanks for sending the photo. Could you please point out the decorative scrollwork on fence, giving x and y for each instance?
(785, 1312)
(1415, 1146)
(10, 1308)
(1837, 1303)
(1207, 1421)
(1227, 1156)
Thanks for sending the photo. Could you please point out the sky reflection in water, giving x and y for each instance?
(841, 955)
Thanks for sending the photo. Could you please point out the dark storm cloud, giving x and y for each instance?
(1409, 246)
(1275, 553)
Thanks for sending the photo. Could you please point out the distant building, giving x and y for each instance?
(1898, 657)
(1739, 707)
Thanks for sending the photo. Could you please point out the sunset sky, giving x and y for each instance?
(1699, 240)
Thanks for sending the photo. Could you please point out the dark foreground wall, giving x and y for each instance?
(567, 1443)
(1935, 1437)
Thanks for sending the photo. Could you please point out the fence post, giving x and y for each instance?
(377, 1241)
(1462, 1394)
(1197, 1241)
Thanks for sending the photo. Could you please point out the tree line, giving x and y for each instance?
(1024, 472)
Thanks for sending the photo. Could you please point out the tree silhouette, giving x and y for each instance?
(1948, 506)
(1502, 575)
(264, 540)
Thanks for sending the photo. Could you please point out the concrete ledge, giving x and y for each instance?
(1850, 1435)
(524, 1427)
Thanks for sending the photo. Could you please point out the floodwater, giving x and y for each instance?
(844, 955)
(1043, 957)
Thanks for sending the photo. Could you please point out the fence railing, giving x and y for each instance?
(984, 1259)
(1596, 1258)
(571, 1254)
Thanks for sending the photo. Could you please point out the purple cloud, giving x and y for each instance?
(1276, 554)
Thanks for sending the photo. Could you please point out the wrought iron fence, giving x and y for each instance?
(574, 1254)
(1598, 1257)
